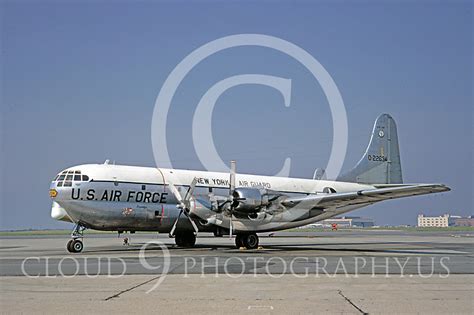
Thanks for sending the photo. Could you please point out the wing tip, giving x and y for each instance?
(440, 187)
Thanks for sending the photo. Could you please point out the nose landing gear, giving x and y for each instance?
(75, 245)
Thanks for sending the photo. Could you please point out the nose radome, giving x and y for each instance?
(58, 213)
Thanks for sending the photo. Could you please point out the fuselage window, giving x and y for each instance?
(85, 178)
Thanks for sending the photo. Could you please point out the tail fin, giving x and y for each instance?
(380, 163)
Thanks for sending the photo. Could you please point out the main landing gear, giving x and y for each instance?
(75, 245)
(248, 240)
(185, 239)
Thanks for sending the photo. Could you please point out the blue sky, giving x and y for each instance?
(79, 82)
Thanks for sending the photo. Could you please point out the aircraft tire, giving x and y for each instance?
(185, 239)
(178, 239)
(69, 246)
(190, 240)
(250, 241)
(238, 241)
(77, 246)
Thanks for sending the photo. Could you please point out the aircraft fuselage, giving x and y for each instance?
(129, 198)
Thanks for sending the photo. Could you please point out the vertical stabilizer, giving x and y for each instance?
(380, 163)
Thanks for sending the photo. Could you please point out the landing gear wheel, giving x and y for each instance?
(69, 246)
(77, 246)
(250, 241)
(178, 239)
(238, 241)
(187, 239)
(191, 240)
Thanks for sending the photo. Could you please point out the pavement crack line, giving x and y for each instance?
(116, 295)
(350, 302)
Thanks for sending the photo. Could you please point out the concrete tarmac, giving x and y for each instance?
(362, 271)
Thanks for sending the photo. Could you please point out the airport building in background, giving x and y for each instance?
(459, 221)
(441, 221)
(346, 222)
(444, 221)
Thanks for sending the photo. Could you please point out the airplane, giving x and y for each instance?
(184, 202)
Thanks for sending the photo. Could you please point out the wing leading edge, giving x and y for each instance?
(336, 200)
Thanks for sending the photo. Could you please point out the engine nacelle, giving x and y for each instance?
(257, 216)
(250, 199)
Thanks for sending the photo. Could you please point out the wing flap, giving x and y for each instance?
(364, 196)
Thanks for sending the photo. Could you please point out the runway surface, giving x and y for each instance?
(362, 271)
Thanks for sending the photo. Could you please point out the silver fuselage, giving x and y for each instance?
(130, 198)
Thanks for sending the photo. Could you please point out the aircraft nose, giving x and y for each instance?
(58, 213)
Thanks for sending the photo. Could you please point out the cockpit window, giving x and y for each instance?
(66, 178)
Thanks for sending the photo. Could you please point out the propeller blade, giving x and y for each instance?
(183, 204)
(196, 230)
(232, 178)
(190, 191)
(175, 223)
(176, 194)
(231, 195)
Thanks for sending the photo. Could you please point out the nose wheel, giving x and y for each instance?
(75, 245)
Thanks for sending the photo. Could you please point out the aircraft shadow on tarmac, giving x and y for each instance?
(310, 248)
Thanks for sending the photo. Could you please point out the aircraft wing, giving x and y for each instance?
(336, 200)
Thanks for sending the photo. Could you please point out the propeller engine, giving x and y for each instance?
(244, 200)
(249, 200)
(184, 204)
